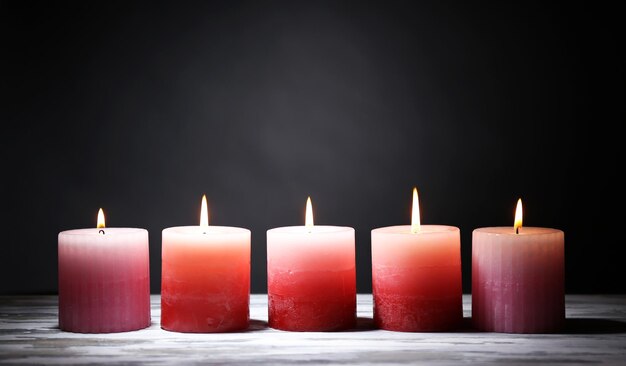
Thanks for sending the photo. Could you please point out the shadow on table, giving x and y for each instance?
(256, 325)
(367, 324)
(572, 326)
(363, 325)
(593, 326)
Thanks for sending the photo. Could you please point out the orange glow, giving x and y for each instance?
(517, 226)
(204, 212)
(100, 224)
(415, 215)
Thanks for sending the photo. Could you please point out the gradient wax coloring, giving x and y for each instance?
(311, 278)
(205, 284)
(518, 280)
(104, 280)
(416, 278)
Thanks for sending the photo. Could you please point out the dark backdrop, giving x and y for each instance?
(141, 108)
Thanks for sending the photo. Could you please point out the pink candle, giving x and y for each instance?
(416, 276)
(518, 279)
(104, 279)
(205, 285)
(311, 277)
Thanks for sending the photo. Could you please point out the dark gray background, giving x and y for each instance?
(141, 108)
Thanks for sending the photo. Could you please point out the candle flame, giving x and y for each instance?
(415, 215)
(518, 216)
(204, 212)
(100, 224)
(308, 218)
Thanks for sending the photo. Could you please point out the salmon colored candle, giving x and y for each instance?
(518, 278)
(311, 277)
(416, 276)
(205, 285)
(104, 279)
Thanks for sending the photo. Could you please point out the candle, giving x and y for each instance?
(416, 276)
(205, 285)
(104, 279)
(311, 277)
(518, 278)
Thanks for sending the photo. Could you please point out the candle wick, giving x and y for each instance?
(517, 230)
(101, 232)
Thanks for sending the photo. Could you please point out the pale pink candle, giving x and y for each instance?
(311, 277)
(518, 279)
(104, 280)
(416, 276)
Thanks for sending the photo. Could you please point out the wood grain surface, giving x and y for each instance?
(595, 334)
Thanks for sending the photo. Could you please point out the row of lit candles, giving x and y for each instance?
(517, 277)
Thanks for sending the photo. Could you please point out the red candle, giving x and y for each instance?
(416, 276)
(311, 277)
(104, 279)
(205, 284)
(518, 278)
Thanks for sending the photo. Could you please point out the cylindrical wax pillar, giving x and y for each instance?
(518, 280)
(205, 279)
(104, 280)
(416, 278)
(311, 278)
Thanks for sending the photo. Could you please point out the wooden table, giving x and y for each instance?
(595, 333)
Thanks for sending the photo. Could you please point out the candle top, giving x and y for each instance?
(424, 229)
(103, 232)
(316, 229)
(206, 230)
(523, 231)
